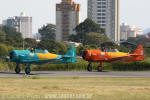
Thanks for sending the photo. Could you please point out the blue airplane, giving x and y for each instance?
(39, 56)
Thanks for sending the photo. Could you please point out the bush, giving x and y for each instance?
(3, 50)
(82, 66)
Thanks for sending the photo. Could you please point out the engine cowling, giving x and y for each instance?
(94, 55)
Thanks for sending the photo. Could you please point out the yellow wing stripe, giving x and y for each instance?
(116, 54)
(47, 56)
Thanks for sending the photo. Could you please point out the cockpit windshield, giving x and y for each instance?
(41, 51)
(111, 50)
(38, 50)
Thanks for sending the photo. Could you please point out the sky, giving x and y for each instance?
(133, 12)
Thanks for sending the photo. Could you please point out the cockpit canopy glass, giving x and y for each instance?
(38, 51)
(111, 50)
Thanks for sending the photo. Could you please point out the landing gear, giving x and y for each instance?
(100, 67)
(17, 69)
(28, 69)
(89, 68)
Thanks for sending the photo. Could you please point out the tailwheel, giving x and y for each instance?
(17, 69)
(100, 67)
(89, 68)
(28, 69)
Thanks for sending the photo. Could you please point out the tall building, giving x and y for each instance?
(67, 18)
(22, 24)
(106, 14)
(127, 31)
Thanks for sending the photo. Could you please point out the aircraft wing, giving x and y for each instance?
(46, 61)
(134, 55)
(66, 56)
(117, 59)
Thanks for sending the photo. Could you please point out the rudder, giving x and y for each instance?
(139, 50)
(71, 52)
(70, 56)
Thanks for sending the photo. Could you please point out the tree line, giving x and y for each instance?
(90, 34)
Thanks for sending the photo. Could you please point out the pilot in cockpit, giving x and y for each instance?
(32, 50)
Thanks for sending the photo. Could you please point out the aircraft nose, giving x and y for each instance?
(11, 55)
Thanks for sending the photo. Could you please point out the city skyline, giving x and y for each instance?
(22, 23)
(132, 12)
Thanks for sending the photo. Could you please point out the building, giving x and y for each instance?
(22, 24)
(106, 14)
(127, 31)
(67, 18)
(76, 44)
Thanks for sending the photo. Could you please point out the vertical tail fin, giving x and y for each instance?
(71, 52)
(139, 50)
(70, 56)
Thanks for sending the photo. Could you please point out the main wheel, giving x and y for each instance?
(99, 68)
(89, 68)
(27, 70)
(17, 70)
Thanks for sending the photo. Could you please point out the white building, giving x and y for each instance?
(37, 36)
(76, 44)
(127, 31)
(106, 14)
(22, 24)
(67, 18)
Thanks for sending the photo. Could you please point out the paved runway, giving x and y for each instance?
(77, 74)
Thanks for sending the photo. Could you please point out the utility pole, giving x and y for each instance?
(23, 44)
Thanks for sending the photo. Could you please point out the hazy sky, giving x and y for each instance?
(133, 12)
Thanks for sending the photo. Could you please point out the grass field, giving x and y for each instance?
(102, 88)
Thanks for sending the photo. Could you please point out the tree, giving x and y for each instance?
(2, 36)
(3, 50)
(95, 38)
(139, 40)
(81, 48)
(89, 26)
(13, 37)
(48, 32)
(52, 46)
(29, 42)
(11, 32)
(84, 28)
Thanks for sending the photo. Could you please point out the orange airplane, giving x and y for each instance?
(111, 55)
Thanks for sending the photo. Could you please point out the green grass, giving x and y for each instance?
(101, 88)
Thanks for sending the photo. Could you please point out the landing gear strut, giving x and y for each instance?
(28, 69)
(89, 68)
(17, 69)
(100, 67)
